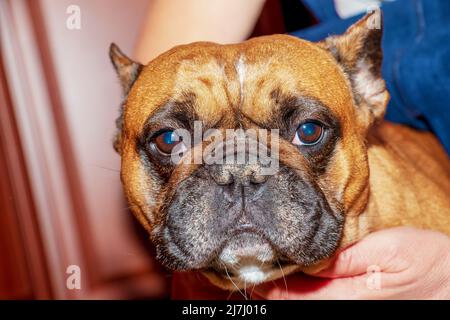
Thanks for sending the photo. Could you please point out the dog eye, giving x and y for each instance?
(308, 133)
(169, 142)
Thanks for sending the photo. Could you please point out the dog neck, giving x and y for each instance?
(403, 164)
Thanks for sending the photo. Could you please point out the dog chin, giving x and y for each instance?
(246, 260)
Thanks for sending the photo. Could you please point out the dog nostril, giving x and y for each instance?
(224, 179)
(220, 176)
(256, 178)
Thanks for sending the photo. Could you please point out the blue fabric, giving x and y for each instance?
(416, 65)
(323, 10)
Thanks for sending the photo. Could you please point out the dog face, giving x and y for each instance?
(229, 219)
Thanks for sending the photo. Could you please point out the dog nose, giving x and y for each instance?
(238, 181)
(236, 174)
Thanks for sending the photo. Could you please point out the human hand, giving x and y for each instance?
(397, 263)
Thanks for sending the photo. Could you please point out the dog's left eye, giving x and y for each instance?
(169, 142)
(308, 133)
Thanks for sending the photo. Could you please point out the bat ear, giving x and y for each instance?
(359, 53)
(127, 69)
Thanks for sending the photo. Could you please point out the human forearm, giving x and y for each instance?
(172, 22)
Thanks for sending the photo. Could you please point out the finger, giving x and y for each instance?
(297, 286)
(373, 253)
(303, 287)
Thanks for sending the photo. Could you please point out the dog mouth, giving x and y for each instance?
(250, 273)
(248, 259)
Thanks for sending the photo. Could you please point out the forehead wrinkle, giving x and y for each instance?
(257, 83)
(183, 112)
(240, 70)
(289, 110)
(211, 82)
(173, 114)
(303, 67)
(169, 75)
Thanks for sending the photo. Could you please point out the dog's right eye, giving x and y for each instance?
(168, 142)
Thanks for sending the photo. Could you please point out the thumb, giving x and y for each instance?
(378, 250)
(303, 287)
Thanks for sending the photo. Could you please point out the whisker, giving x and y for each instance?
(106, 168)
(253, 289)
(261, 264)
(245, 289)
(234, 284)
(131, 206)
(284, 279)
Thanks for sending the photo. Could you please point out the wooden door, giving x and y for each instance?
(61, 199)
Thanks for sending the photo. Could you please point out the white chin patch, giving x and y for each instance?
(247, 259)
(252, 274)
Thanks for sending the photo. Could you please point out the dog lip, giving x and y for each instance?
(220, 272)
(233, 276)
(249, 229)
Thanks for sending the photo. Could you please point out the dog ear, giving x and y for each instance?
(127, 71)
(359, 53)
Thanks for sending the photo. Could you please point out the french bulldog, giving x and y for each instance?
(342, 173)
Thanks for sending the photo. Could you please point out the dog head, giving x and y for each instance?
(233, 221)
